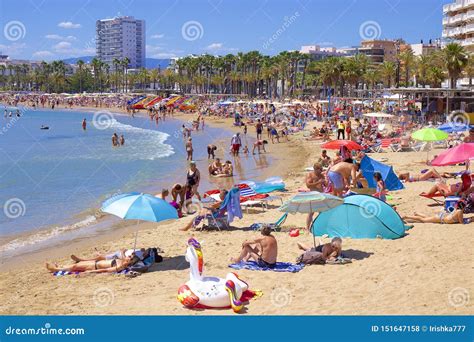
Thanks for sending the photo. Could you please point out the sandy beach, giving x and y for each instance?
(427, 272)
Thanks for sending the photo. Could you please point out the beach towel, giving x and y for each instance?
(279, 267)
(65, 273)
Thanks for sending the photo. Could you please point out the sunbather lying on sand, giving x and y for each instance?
(263, 250)
(431, 174)
(98, 266)
(456, 189)
(457, 216)
(330, 251)
(120, 254)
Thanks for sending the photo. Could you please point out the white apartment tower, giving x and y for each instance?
(121, 37)
(458, 23)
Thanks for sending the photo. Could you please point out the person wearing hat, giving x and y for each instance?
(236, 142)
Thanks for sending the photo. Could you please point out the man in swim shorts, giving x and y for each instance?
(263, 250)
(343, 175)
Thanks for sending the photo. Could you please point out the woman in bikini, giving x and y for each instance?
(95, 266)
(457, 216)
(456, 189)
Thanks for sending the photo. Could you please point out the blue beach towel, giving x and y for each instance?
(279, 267)
(64, 273)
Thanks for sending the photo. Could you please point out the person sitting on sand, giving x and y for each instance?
(330, 251)
(446, 190)
(263, 250)
(325, 159)
(315, 181)
(342, 175)
(164, 193)
(431, 174)
(457, 216)
(259, 144)
(95, 266)
(215, 167)
(212, 210)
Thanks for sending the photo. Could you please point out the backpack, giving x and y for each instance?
(311, 258)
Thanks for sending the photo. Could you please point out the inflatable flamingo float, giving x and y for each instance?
(209, 292)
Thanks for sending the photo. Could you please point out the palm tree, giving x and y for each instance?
(408, 60)
(455, 60)
(80, 66)
(469, 69)
(387, 71)
(125, 63)
(117, 68)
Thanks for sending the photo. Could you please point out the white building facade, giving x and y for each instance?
(458, 23)
(119, 38)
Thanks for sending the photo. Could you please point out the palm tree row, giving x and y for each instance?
(252, 74)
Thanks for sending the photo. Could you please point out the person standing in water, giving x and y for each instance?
(193, 177)
(115, 140)
(189, 149)
(84, 124)
(122, 140)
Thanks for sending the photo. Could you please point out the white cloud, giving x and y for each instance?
(43, 54)
(157, 36)
(12, 50)
(58, 37)
(215, 46)
(69, 25)
(62, 46)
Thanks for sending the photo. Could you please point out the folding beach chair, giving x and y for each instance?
(274, 226)
(434, 197)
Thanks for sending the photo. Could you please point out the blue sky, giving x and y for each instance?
(54, 29)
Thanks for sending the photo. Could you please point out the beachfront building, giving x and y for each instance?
(458, 23)
(423, 49)
(317, 53)
(119, 38)
(378, 51)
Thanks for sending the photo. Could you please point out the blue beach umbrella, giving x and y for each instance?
(454, 127)
(138, 206)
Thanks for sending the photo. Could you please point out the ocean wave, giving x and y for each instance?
(44, 235)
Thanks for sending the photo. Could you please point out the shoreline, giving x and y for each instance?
(117, 227)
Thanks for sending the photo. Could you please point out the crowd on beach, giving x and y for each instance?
(337, 173)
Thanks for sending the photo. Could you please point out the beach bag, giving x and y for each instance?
(311, 258)
(469, 208)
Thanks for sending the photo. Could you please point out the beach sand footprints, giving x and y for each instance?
(458, 118)
(103, 297)
(102, 119)
(458, 297)
(370, 30)
(14, 30)
(14, 208)
(280, 297)
(192, 30)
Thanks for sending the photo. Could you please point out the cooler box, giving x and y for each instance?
(450, 203)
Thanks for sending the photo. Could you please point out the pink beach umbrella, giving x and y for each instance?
(455, 155)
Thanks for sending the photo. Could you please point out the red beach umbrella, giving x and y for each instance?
(337, 144)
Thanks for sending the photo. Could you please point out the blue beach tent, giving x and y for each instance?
(368, 166)
(360, 217)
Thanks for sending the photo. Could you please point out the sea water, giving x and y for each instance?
(53, 180)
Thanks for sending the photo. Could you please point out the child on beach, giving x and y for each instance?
(380, 186)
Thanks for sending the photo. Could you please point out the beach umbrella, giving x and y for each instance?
(451, 127)
(337, 144)
(455, 155)
(429, 134)
(311, 202)
(379, 115)
(140, 207)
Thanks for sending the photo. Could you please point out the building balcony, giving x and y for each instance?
(467, 42)
(459, 5)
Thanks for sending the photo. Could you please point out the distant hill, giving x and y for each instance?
(151, 63)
